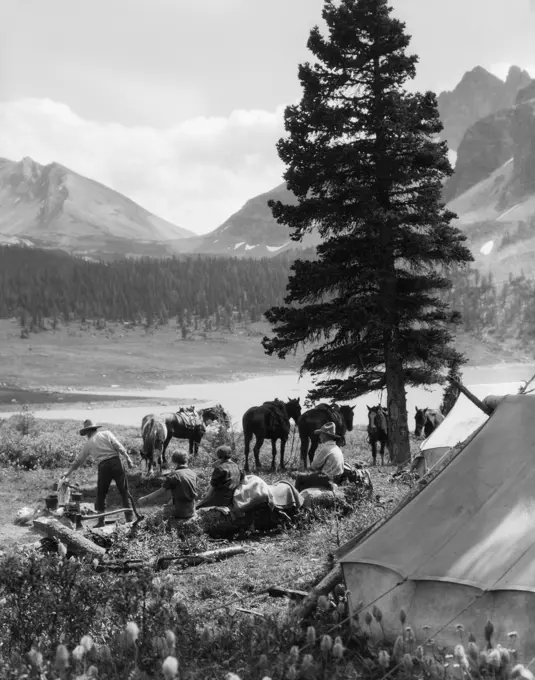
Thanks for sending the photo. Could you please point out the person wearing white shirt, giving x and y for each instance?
(328, 463)
(104, 448)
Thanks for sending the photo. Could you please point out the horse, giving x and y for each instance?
(427, 419)
(184, 424)
(378, 430)
(154, 435)
(314, 418)
(269, 421)
(217, 412)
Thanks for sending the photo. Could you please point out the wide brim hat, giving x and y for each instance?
(88, 427)
(328, 429)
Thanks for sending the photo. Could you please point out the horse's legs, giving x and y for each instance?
(274, 453)
(383, 452)
(165, 445)
(373, 443)
(257, 446)
(247, 443)
(314, 442)
(304, 450)
(283, 447)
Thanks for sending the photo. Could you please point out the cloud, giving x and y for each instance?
(195, 174)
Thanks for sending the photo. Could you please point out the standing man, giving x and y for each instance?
(106, 451)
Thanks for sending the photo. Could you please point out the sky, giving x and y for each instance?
(178, 104)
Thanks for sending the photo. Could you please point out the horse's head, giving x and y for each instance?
(293, 408)
(347, 414)
(377, 421)
(419, 420)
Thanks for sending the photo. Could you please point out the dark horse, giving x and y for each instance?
(314, 418)
(378, 430)
(217, 412)
(154, 434)
(427, 419)
(269, 421)
(184, 424)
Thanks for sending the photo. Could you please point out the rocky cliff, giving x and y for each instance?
(478, 95)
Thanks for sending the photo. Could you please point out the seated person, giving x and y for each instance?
(226, 477)
(328, 463)
(179, 488)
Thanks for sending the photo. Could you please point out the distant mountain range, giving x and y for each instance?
(488, 122)
(52, 206)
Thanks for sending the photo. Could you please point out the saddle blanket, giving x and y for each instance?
(190, 417)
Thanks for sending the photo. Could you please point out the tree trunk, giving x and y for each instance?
(398, 427)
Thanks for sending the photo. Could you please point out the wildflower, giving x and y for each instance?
(323, 603)
(87, 643)
(504, 655)
(483, 658)
(62, 658)
(338, 649)
(340, 590)
(132, 632)
(170, 638)
(292, 673)
(377, 613)
(341, 608)
(471, 637)
(368, 618)
(410, 634)
(520, 671)
(206, 636)
(78, 653)
(104, 653)
(311, 635)
(402, 616)
(92, 672)
(473, 651)
(384, 659)
(494, 659)
(170, 669)
(308, 662)
(228, 676)
(294, 654)
(399, 648)
(35, 657)
(419, 653)
(336, 616)
(326, 643)
(489, 631)
(406, 662)
(459, 652)
(512, 635)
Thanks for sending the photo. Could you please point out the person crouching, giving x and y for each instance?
(226, 477)
(179, 489)
(328, 463)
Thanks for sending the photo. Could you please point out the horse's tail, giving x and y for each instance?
(154, 436)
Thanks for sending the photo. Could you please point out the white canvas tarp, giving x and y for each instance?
(462, 421)
(463, 550)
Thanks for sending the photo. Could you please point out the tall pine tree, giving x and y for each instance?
(364, 162)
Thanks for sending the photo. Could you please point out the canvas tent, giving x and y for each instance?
(462, 421)
(462, 551)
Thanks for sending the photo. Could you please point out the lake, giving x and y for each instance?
(236, 397)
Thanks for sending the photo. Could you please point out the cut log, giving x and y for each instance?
(200, 558)
(324, 587)
(76, 542)
(275, 591)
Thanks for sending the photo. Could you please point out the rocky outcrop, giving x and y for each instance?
(478, 95)
(486, 146)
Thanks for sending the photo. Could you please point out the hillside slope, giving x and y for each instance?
(53, 206)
